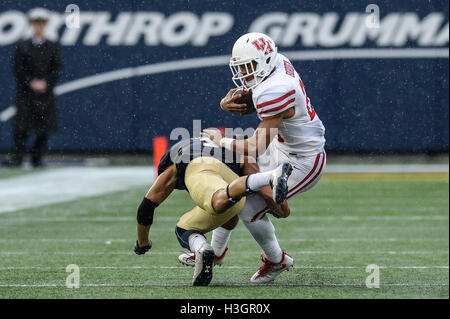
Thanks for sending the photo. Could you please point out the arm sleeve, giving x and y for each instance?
(55, 67)
(19, 68)
(275, 100)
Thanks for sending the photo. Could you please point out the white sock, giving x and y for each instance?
(196, 241)
(258, 180)
(264, 233)
(219, 240)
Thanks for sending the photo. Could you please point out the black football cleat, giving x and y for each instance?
(204, 262)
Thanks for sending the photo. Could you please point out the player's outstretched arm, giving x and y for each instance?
(253, 146)
(163, 186)
(256, 145)
(158, 192)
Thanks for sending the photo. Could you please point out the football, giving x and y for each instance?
(247, 99)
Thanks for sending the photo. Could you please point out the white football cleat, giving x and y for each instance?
(188, 259)
(219, 260)
(269, 270)
(203, 269)
(278, 182)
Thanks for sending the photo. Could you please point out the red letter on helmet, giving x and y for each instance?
(260, 44)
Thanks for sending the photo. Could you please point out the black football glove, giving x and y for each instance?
(142, 250)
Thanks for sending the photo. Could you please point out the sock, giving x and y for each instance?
(264, 233)
(258, 180)
(196, 241)
(219, 240)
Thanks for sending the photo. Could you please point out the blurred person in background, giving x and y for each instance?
(37, 65)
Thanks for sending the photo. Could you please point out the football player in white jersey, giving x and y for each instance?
(281, 103)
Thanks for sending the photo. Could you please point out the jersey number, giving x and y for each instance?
(290, 71)
(309, 108)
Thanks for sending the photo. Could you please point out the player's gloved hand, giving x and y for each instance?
(142, 250)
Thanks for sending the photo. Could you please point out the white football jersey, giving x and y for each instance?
(302, 134)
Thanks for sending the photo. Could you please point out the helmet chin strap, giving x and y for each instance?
(251, 82)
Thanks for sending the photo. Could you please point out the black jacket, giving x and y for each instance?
(36, 112)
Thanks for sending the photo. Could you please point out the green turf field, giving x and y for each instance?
(335, 231)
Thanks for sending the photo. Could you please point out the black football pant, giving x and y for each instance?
(20, 145)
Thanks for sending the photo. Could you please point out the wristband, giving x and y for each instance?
(226, 143)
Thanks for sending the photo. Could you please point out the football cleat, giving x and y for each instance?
(188, 259)
(269, 270)
(203, 269)
(278, 182)
(219, 260)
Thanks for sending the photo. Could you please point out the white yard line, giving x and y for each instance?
(109, 241)
(290, 218)
(369, 228)
(222, 267)
(297, 252)
(366, 239)
(66, 184)
(388, 168)
(223, 284)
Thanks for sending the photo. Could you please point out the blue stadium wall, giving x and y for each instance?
(136, 69)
